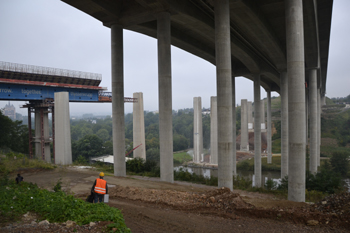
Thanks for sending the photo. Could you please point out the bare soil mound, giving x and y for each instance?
(149, 205)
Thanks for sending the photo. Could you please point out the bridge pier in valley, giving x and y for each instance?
(197, 130)
(296, 99)
(224, 92)
(244, 125)
(63, 146)
(257, 131)
(213, 130)
(139, 126)
(165, 97)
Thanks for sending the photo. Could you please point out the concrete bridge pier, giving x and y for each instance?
(306, 117)
(63, 146)
(165, 97)
(262, 115)
(118, 100)
(318, 126)
(213, 130)
(296, 99)
(224, 92)
(244, 125)
(250, 116)
(313, 120)
(268, 126)
(234, 166)
(42, 137)
(284, 124)
(139, 126)
(257, 131)
(197, 130)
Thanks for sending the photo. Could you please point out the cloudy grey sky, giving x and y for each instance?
(53, 34)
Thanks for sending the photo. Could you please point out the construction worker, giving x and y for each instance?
(99, 188)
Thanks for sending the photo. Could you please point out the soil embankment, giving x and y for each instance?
(149, 205)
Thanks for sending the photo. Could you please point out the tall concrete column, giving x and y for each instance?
(224, 92)
(257, 131)
(139, 127)
(213, 130)
(306, 117)
(46, 135)
(197, 130)
(165, 97)
(263, 120)
(42, 134)
(118, 100)
(313, 120)
(318, 127)
(37, 140)
(244, 125)
(234, 166)
(63, 144)
(323, 100)
(296, 99)
(250, 116)
(284, 124)
(269, 135)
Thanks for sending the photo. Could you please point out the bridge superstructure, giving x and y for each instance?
(38, 85)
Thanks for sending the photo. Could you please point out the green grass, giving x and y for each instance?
(276, 146)
(248, 165)
(10, 164)
(17, 200)
(327, 151)
(182, 157)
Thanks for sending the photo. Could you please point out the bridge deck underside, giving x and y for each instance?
(258, 33)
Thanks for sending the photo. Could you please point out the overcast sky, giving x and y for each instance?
(51, 33)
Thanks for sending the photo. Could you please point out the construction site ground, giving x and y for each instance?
(149, 205)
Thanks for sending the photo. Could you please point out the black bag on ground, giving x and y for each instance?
(90, 198)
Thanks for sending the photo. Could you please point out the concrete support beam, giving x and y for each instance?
(197, 130)
(306, 117)
(47, 136)
(269, 135)
(139, 127)
(313, 120)
(118, 100)
(284, 124)
(250, 115)
(262, 114)
(224, 92)
(213, 130)
(318, 127)
(257, 132)
(165, 97)
(63, 144)
(39, 138)
(234, 165)
(37, 134)
(296, 99)
(244, 126)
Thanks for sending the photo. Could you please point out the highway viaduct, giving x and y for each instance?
(281, 45)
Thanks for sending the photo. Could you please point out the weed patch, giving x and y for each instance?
(17, 200)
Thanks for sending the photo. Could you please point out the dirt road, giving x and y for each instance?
(149, 205)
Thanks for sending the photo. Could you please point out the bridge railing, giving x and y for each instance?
(15, 67)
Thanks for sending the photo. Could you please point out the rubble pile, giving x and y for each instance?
(335, 204)
(223, 198)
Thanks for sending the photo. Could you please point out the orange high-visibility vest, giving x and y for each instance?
(100, 186)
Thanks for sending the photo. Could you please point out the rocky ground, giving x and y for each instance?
(149, 205)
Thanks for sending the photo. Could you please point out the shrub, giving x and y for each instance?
(270, 184)
(340, 162)
(54, 206)
(240, 182)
